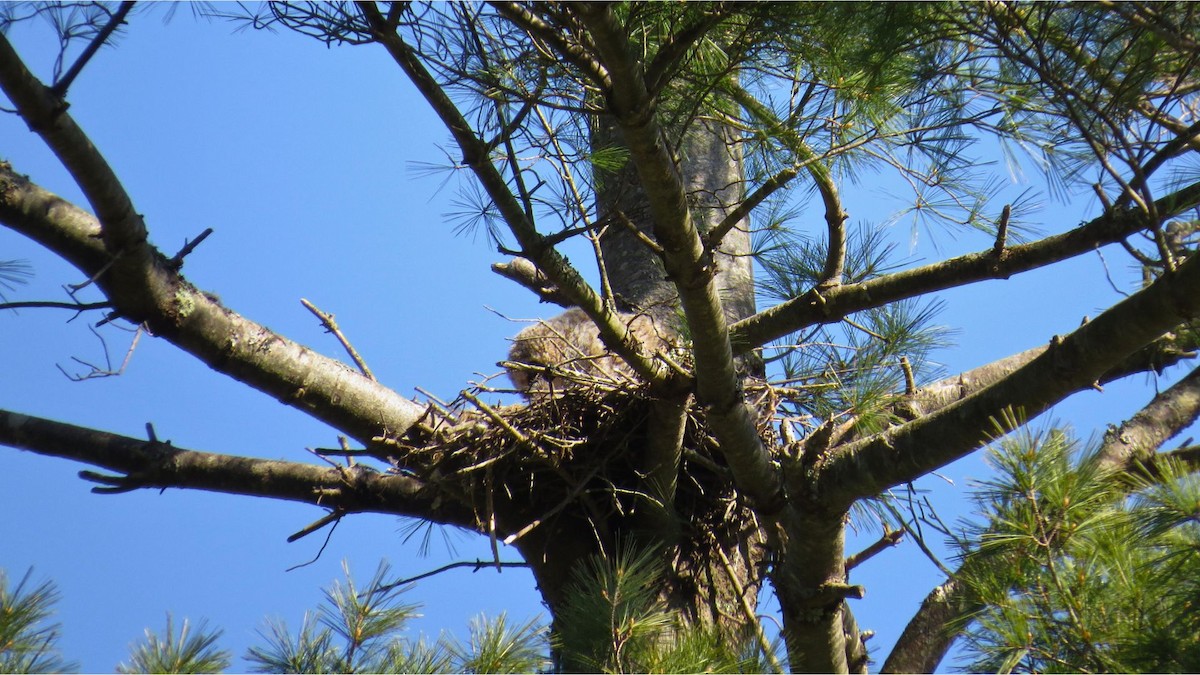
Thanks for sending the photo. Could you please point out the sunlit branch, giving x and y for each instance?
(154, 464)
(1143, 14)
(527, 274)
(686, 262)
(1071, 363)
(46, 114)
(1139, 437)
(928, 635)
(834, 304)
(932, 630)
(573, 53)
(197, 323)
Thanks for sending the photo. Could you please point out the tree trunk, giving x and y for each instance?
(712, 548)
(711, 161)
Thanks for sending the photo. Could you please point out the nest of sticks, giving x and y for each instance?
(580, 442)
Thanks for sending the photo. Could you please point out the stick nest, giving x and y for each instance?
(582, 440)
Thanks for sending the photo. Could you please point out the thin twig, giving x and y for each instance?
(477, 565)
(1002, 231)
(1108, 274)
(331, 517)
(633, 229)
(332, 327)
(107, 370)
(748, 611)
(60, 88)
(439, 406)
(866, 330)
(888, 540)
(497, 418)
(176, 262)
(50, 304)
(74, 288)
(568, 500)
(490, 491)
(328, 537)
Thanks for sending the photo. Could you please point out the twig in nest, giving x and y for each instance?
(439, 406)
(498, 419)
(522, 439)
(569, 499)
(332, 327)
(490, 492)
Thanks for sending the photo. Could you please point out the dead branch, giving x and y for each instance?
(332, 327)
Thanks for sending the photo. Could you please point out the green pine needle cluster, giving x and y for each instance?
(1080, 569)
(28, 641)
(615, 621)
(192, 650)
(850, 367)
(364, 630)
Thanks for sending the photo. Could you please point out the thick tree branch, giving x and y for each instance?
(810, 581)
(193, 320)
(1072, 363)
(154, 464)
(834, 304)
(144, 286)
(688, 264)
(1164, 352)
(1139, 438)
(928, 636)
(45, 113)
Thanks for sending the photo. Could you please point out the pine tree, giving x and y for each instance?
(663, 410)
(1077, 567)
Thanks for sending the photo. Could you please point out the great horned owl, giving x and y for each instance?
(570, 344)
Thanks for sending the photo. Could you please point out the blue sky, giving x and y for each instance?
(303, 161)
